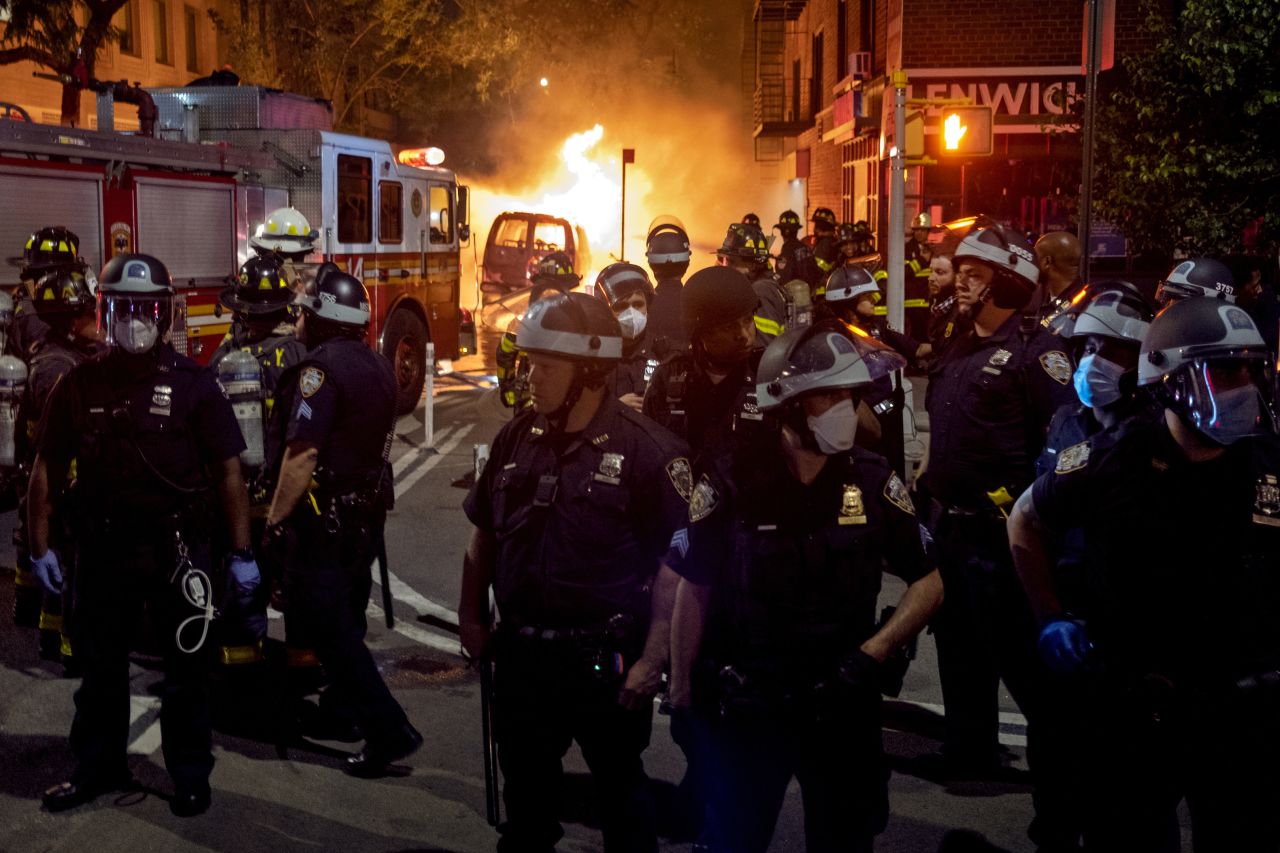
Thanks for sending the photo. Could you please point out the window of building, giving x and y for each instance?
(127, 23)
(390, 212)
(191, 25)
(164, 50)
(816, 88)
(355, 187)
(549, 236)
(441, 203)
(842, 40)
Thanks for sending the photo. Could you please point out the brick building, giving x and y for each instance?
(821, 84)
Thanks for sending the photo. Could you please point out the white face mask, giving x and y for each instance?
(135, 335)
(834, 429)
(632, 322)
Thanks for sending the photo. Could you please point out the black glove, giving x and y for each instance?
(861, 671)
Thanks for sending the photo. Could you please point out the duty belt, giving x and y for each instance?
(617, 628)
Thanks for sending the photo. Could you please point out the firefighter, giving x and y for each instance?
(553, 274)
(49, 248)
(261, 301)
(287, 233)
(626, 289)
(666, 250)
(790, 262)
(1183, 688)
(776, 654)
(574, 515)
(328, 451)
(155, 444)
(746, 250)
(63, 302)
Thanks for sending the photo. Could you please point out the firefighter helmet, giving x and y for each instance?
(51, 246)
(922, 220)
(553, 271)
(751, 219)
(63, 289)
(789, 220)
(744, 242)
(824, 216)
(1197, 277)
(285, 231)
(260, 288)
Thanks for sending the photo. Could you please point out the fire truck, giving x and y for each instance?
(221, 158)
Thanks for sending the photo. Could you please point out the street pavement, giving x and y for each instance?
(293, 796)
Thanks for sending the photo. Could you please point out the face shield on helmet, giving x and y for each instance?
(1224, 399)
(134, 322)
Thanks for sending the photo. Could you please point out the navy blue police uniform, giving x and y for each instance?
(1185, 701)
(581, 523)
(795, 572)
(990, 400)
(340, 399)
(706, 414)
(142, 430)
(640, 359)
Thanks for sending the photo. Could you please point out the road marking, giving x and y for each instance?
(410, 457)
(421, 471)
(149, 741)
(419, 635)
(407, 595)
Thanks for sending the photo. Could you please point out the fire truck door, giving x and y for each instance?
(190, 226)
(72, 199)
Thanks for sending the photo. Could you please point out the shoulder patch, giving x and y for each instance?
(681, 475)
(896, 491)
(1057, 365)
(310, 381)
(703, 501)
(1073, 458)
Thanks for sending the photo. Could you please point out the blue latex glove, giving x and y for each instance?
(245, 579)
(1063, 645)
(48, 572)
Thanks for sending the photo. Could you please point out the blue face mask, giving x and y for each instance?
(1097, 381)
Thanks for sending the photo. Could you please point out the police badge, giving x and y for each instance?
(1073, 458)
(162, 400)
(1266, 508)
(1000, 358)
(703, 500)
(610, 470)
(310, 381)
(1057, 365)
(851, 509)
(896, 491)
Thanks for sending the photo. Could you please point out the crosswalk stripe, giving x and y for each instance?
(421, 471)
(420, 635)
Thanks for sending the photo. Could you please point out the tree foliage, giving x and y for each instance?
(1186, 150)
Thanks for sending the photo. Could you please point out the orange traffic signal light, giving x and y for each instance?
(965, 131)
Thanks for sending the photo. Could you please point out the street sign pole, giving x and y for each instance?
(897, 201)
(1094, 56)
(628, 156)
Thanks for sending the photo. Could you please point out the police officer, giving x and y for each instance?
(666, 251)
(990, 398)
(553, 274)
(573, 515)
(1197, 277)
(793, 254)
(335, 417)
(1180, 649)
(625, 288)
(65, 305)
(746, 250)
(787, 541)
(154, 441)
(1058, 257)
(262, 325)
(707, 395)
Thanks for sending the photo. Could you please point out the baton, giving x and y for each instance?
(384, 572)
(490, 743)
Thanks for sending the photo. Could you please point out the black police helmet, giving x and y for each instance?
(339, 299)
(260, 288)
(1197, 277)
(716, 295)
(618, 281)
(135, 275)
(667, 250)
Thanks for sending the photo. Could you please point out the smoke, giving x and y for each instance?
(562, 154)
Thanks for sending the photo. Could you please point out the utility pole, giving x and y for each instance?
(1093, 55)
(897, 201)
(628, 156)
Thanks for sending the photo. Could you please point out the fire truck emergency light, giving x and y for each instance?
(966, 131)
(421, 157)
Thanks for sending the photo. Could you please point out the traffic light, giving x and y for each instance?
(965, 131)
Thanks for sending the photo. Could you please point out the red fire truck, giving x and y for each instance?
(223, 157)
